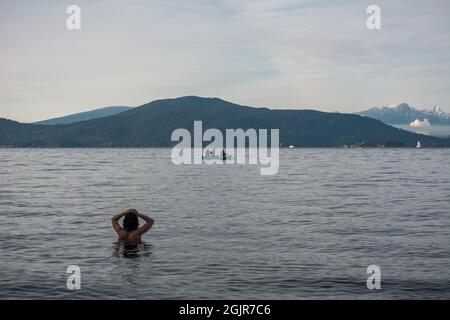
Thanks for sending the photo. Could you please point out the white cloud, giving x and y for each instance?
(420, 124)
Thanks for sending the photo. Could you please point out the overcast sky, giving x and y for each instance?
(275, 53)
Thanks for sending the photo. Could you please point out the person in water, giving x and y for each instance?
(224, 155)
(130, 231)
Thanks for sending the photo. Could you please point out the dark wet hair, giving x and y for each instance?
(130, 222)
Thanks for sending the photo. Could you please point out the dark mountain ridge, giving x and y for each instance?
(151, 125)
(83, 116)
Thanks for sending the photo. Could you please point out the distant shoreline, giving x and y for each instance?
(284, 148)
(151, 126)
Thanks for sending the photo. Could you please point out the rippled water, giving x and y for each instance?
(224, 231)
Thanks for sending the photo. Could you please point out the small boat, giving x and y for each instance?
(291, 147)
(418, 146)
(217, 157)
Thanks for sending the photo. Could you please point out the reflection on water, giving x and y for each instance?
(131, 251)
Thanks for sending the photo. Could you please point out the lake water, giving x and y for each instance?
(225, 231)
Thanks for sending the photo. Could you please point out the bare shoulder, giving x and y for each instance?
(134, 237)
(123, 235)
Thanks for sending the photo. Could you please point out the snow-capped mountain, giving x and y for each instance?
(438, 110)
(405, 114)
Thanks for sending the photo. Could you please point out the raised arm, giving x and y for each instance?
(115, 220)
(146, 226)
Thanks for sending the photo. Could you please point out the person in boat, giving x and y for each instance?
(208, 153)
(130, 231)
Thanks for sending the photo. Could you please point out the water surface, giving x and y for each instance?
(225, 231)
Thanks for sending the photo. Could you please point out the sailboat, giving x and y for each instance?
(418, 146)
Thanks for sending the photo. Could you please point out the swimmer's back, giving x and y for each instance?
(131, 232)
(130, 237)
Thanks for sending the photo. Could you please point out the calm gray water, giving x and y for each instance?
(224, 231)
